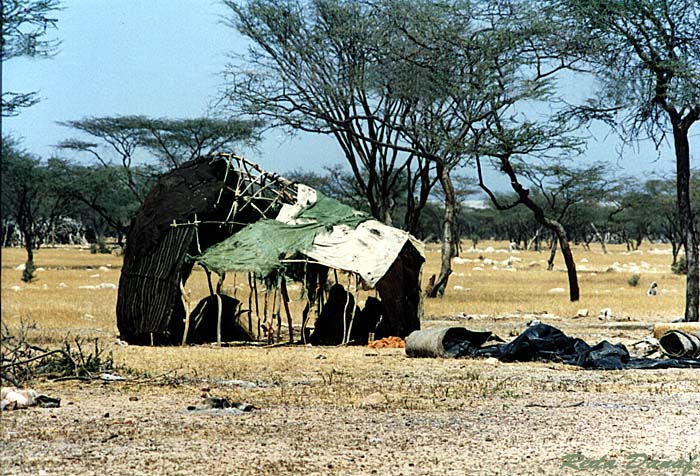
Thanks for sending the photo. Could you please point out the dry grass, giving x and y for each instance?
(359, 410)
(490, 286)
(482, 284)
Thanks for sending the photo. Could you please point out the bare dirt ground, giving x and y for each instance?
(328, 411)
(364, 411)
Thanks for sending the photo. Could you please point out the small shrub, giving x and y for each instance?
(681, 266)
(633, 280)
(475, 241)
(21, 361)
(100, 246)
(28, 272)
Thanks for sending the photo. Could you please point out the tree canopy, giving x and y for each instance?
(25, 24)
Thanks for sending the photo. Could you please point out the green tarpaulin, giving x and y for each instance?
(260, 246)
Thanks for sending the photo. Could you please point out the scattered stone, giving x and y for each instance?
(652, 289)
(375, 399)
(582, 313)
(99, 286)
(111, 377)
(62, 285)
(16, 288)
(492, 361)
(605, 314)
(238, 383)
(21, 267)
(556, 291)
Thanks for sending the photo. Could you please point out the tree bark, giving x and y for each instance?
(574, 291)
(600, 238)
(685, 212)
(553, 225)
(552, 254)
(448, 250)
(29, 268)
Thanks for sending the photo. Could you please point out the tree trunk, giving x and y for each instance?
(674, 252)
(574, 292)
(600, 238)
(685, 212)
(552, 254)
(553, 225)
(28, 273)
(448, 250)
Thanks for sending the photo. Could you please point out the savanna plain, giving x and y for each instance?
(357, 410)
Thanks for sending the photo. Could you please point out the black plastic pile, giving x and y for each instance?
(542, 342)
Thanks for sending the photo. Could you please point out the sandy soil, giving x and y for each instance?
(365, 411)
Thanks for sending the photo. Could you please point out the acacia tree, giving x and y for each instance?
(24, 26)
(26, 196)
(425, 63)
(525, 52)
(489, 65)
(138, 140)
(314, 67)
(562, 186)
(646, 55)
(100, 190)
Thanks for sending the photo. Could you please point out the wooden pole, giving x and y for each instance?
(250, 305)
(186, 303)
(345, 316)
(285, 300)
(352, 315)
(211, 288)
(265, 301)
(257, 308)
(218, 319)
(277, 306)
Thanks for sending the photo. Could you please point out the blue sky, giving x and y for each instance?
(163, 58)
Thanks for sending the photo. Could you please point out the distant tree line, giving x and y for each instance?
(63, 202)
(601, 212)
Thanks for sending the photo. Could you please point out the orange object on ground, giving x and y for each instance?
(387, 343)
